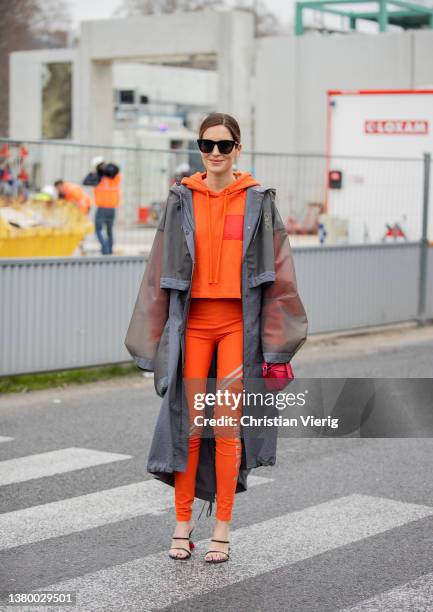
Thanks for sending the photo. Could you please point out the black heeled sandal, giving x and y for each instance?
(191, 547)
(218, 551)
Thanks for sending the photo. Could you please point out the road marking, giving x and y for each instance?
(75, 514)
(53, 462)
(5, 439)
(414, 595)
(156, 581)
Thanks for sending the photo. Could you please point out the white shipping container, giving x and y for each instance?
(395, 126)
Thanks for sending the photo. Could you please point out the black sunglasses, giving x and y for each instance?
(224, 146)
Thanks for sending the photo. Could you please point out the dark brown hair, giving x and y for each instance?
(221, 119)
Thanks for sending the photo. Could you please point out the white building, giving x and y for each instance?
(188, 63)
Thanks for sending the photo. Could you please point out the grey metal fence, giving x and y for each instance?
(73, 312)
(429, 284)
(361, 197)
(59, 313)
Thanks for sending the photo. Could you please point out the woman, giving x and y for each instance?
(218, 297)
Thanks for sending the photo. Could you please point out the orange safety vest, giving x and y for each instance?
(107, 193)
(74, 193)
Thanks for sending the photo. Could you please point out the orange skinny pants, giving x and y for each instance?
(211, 322)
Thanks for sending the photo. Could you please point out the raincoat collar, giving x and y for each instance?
(253, 209)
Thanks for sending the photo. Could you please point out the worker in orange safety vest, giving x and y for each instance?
(105, 179)
(72, 192)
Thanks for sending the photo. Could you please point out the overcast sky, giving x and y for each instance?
(102, 9)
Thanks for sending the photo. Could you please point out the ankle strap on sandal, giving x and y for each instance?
(222, 541)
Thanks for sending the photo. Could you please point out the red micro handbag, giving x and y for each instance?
(277, 375)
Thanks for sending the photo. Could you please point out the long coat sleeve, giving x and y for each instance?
(284, 323)
(150, 312)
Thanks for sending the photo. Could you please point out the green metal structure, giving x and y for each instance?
(407, 15)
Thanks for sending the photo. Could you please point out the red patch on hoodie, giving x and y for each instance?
(233, 227)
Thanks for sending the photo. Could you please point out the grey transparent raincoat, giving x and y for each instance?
(274, 328)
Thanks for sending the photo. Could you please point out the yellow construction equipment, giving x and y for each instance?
(42, 228)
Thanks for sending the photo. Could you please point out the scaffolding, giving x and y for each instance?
(406, 15)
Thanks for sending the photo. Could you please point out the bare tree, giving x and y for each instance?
(132, 8)
(26, 24)
(54, 15)
(266, 22)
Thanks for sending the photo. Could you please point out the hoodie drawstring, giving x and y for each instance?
(216, 276)
(209, 237)
(221, 239)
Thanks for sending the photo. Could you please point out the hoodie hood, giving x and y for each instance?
(243, 181)
(195, 182)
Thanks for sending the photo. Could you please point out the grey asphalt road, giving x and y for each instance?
(342, 524)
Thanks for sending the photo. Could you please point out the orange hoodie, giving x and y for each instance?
(219, 219)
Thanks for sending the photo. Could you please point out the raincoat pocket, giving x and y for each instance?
(161, 362)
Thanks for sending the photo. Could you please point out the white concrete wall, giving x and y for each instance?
(226, 38)
(354, 61)
(294, 73)
(151, 36)
(275, 95)
(95, 106)
(293, 76)
(163, 83)
(235, 68)
(167, 84)
(423, 53)
(289, 90)
(25, 88)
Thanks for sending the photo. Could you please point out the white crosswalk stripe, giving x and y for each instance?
(53, 462)
(414, 595)
(88, 511)
(258, 548)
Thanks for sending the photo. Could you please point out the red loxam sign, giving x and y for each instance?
(395, 126)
